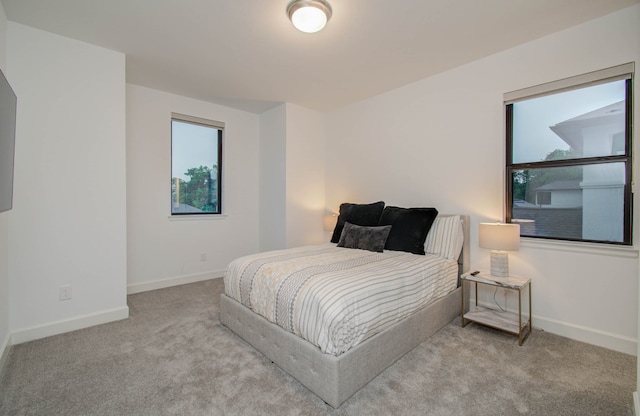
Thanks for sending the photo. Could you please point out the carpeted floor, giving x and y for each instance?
(173, 357)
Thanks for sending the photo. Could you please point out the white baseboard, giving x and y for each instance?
(589, 335)
(581, 333)
(68, 325)
(60, 327)
(4, 350)
(636, 410)
(173, 281)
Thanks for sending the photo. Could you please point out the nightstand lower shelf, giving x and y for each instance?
(505, 321)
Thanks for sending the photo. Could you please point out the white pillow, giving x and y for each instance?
(445, 237)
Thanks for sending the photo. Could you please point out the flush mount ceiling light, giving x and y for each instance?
(309, 16)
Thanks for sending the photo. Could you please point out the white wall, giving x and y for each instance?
(440, 142)
(5, 330)
(68, 224)
(273, 179)
(305, 176)
(292, 177)
(162, 251)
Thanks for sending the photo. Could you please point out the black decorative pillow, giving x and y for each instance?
(358, 214)
(364, 238)
(410, 227)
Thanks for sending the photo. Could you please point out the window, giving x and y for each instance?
(568, 160)
(543, 197)
(196, 165)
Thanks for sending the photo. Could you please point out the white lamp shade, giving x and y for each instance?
(499, 236)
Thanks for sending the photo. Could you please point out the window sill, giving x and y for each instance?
(583, 248)
(197, 217)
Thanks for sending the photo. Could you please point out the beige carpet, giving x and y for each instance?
(173, 357)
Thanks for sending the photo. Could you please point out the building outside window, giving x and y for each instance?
(196, 165)
(569, 158)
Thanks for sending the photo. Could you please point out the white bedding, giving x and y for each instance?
(335, 297)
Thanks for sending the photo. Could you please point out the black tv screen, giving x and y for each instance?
(8, 102)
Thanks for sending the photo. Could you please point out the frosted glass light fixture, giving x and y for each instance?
(500, 238)
(309, 16)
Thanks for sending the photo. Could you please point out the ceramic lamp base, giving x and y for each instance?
(499, 263)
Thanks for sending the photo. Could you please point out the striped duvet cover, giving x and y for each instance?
(336, 297)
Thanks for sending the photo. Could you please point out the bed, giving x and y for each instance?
(330, 366)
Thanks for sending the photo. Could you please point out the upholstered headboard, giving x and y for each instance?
(464, 257)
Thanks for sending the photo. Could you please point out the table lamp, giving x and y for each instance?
(499, 238)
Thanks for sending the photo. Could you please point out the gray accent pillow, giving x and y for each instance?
(358, 214)
(364, 238)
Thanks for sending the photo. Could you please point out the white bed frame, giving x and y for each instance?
(336, 378)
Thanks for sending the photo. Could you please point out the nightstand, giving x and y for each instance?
(507, 321)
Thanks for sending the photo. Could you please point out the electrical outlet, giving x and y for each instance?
(203, 256)
(65, 292)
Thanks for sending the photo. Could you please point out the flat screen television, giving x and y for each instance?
(8, 103)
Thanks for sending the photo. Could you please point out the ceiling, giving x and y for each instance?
(246, 54)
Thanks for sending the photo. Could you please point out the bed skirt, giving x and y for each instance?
(336, 378)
